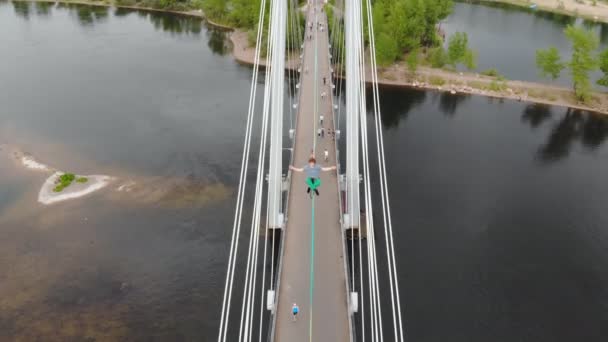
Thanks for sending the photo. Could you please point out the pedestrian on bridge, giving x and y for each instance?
(294, 312)
(313, 174)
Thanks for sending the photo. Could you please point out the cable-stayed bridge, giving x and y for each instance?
(331, 254)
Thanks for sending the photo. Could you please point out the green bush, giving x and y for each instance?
(490, 72)
(126, 2)
(436, 81)
(497, 86)
(64, 181)
(437, 57)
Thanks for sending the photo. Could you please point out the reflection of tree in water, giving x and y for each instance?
(22, 9)
(604, 33)
(595, 131)
(396, 103)
(536, 114)
(448, 103)
(87, 15)
(556, 18)
(175, 24)
(591, 129)
(123, 12)
(43, 8)
(217, 41)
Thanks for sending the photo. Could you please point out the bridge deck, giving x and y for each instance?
(326, 320)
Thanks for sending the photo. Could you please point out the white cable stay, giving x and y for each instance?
(246, 306)
(241, 188)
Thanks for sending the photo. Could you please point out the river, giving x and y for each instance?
(499, 206)
(506, 37)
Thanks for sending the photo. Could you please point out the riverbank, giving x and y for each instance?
(196, 13)
(397, 75)
(425, 77)
(477, 84)
(583, 9)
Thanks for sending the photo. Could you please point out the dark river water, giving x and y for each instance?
(499, 207)
(506, 37)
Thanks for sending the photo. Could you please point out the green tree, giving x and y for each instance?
(214, 9)
(549, 63)
(386, 49)
(584, 43)
(457, 47)
(604, 67)
(459, 52)
(434, 11)
(470, 59)
(438, 57)
(409, 23)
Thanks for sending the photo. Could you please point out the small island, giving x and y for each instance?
(61, 186)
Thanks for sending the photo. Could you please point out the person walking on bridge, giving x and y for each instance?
(294, 312)
(313, 174)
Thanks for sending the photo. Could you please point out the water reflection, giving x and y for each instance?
(22, 9)
(591, 130)
(448, 103)
(535, 114)
(217, 42)
(123, 12)
(595, 131)
(87, 15)
(551, 16)
(43, 8)
(395, 104)
(175, 24)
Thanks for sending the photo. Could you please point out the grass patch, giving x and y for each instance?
(477, 85)
(497, 86)
(490, 72)
(64, 181)
(436, 81)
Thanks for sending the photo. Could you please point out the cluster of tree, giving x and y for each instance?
(175, 5)
(457, 53)
(402, 26)
(584, 60)
(238, 13)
